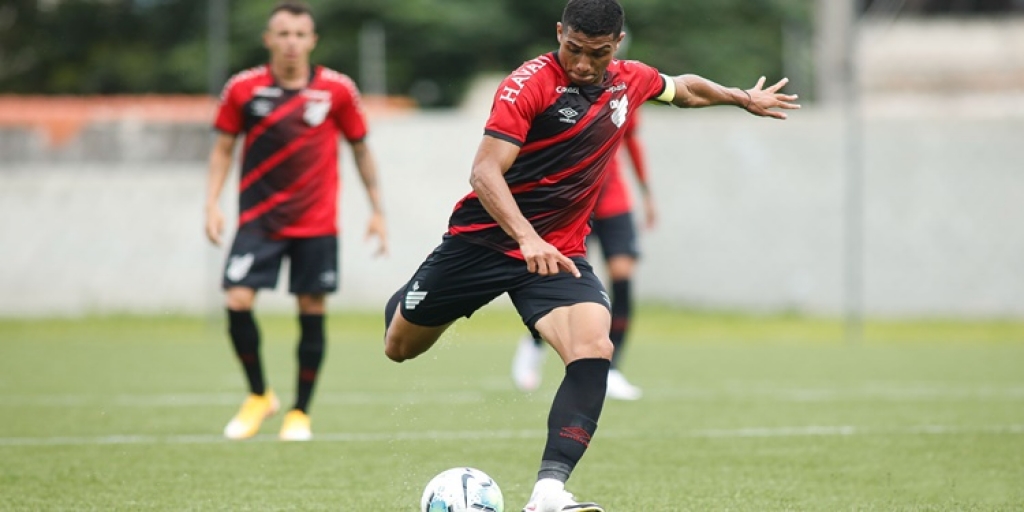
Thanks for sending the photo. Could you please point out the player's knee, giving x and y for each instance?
(395, 351)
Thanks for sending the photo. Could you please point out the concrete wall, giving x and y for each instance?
(752, 213)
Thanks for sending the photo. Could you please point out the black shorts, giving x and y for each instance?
(255, 262)
(460, 277)
(616, 234)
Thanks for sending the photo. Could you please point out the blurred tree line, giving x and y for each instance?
(160, 46)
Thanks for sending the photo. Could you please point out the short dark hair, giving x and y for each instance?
(296, 7)
(594, 17)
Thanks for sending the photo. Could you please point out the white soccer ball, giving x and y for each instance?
(462, 490)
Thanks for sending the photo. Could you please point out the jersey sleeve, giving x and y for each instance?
(648, 79)
(516, 103)
(349, 114)
(229, 110)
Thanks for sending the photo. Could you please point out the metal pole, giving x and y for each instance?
(216, 45)
(854, 325)
(372, 59)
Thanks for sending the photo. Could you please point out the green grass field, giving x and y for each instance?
(739, 414)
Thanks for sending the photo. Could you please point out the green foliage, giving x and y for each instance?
(126, 46)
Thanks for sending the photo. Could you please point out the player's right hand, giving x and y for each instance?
(544, 259)
(214, 224)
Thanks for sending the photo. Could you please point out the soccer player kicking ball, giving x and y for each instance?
(292, 115)
(555, 123)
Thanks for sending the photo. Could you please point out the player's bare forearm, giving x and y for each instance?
(693, 91)
(366, 165)
(219, 166)
(490, 186)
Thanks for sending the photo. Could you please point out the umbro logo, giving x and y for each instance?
(568, 115)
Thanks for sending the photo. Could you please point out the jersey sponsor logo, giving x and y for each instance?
(316, 111)
(262, 108)
(268, 92)
(238, 266)
(414, 296)
(568, 115)
(518, 79)
(620, 108)
(561, 89)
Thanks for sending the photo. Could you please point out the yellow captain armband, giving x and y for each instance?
(670, 89)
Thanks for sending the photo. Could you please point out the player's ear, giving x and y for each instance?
(558, 32)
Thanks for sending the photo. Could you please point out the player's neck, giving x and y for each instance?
(290, 77)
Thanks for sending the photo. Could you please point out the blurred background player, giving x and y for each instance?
(292, 114)
(614, 230)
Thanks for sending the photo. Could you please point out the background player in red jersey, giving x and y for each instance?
(614, 230)
(554, 126)
(292, 114)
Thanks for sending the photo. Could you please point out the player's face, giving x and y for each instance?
(585, 58)
(290, 38)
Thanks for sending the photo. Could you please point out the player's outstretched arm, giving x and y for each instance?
(692, 91)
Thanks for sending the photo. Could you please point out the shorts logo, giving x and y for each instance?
(413, 297)
(238, 267)
(328, 278)
(607, 300)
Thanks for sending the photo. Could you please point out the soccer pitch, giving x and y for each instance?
(739, 414)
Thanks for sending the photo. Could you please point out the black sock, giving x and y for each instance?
(311, 354)
(622, 311)
(391, 307)
(245, 337)
(538, 340)
(573, 417)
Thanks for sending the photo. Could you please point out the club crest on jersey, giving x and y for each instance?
(316, 111)
(619, 110)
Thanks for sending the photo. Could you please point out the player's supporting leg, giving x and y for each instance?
(620, 269)
(404, 340)
(310, 353)
(245, 337)
(579, 333)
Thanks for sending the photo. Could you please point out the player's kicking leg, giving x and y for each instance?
(579, 334)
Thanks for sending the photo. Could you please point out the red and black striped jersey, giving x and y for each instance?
(567, 135)
(290, 181)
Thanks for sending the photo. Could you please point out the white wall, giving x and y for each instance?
(751, 215)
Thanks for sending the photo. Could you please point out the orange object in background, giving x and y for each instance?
(63, 117)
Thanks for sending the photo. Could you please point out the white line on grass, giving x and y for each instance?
(445, 435)
(371, 398)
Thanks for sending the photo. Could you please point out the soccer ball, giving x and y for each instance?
(462, 490)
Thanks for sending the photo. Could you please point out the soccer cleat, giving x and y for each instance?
(560, 501)
(295, 427)
(526, 364)
(620, 389)
(250, 416)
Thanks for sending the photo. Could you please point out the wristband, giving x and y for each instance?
(670, 90)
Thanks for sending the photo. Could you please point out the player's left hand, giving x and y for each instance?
(762, 101)
(377, 227)
(650, 212)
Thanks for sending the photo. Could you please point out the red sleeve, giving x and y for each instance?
(648, 79)
(516, 102)
(348, 114)
(229, 111)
